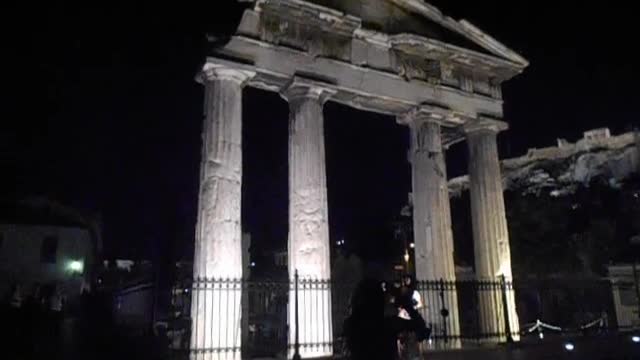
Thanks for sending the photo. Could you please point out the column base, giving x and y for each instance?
(313, 351)
(314, 319)
(216, 320)
(215, 354)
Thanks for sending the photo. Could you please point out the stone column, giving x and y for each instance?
(217, 266)
(432, 232)
(308, 219)
(490, 233)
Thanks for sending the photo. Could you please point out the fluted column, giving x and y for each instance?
(433, 238)
(215, 309)
(490, 233)
(309, 251)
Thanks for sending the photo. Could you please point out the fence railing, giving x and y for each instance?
(459, 312)
(575, 306)
(264, 315)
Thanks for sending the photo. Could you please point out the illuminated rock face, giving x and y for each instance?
(432, 222)
(216, 309)
(490, 234)
(560, 170)
(309, 252)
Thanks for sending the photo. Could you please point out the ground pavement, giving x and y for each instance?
(614, 347)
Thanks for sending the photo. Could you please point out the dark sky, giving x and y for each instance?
(104, 115)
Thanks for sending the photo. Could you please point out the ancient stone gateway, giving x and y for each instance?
(439, 77)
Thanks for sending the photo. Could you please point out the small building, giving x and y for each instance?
(43, 247)
(597, 134)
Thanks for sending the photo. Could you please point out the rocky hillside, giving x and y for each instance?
(572, 209)
(560, 170)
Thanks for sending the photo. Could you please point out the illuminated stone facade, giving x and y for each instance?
(440, 77)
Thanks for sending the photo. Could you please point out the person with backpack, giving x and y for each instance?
(409, 302)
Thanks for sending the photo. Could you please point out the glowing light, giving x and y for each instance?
(76, 266)
(253, 264)
(541, 336)
(406, 257)
(569, 347)
(412, 245)
(635, 339)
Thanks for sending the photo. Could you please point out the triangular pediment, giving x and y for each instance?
(416, 17)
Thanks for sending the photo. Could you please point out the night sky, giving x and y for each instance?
(104, 115)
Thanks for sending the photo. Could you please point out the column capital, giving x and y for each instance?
(302, 88)
(484, 124)
(212, 72)
(432, 113)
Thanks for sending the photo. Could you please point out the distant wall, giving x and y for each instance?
(133, 307)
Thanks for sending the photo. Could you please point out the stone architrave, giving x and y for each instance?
(309, 251)
(433, 237)
(217, 268)
(490, 233)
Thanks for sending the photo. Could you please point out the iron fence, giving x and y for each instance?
(575, 306)
(459, 312)
(264, 314)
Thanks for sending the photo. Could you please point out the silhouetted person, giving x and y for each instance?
(14, 322)
(393, 325)
(364, 329)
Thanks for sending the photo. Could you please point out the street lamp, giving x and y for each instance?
(75, 266)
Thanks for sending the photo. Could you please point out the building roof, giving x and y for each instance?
(40, 211)
(420, 18)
